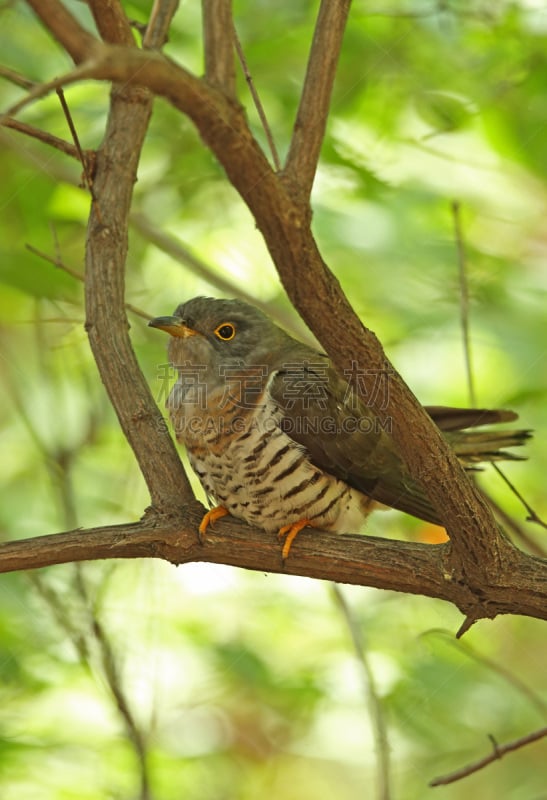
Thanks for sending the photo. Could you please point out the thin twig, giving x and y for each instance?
(111, 672)
(88, 178)
(379, 729)
(464, 319)
(532, 516)
(42, 136)
(16, 78)
(517, 530)
(464, 300)
(311, 119)
(498, 752)
(464, 647)
(56, 261)
(59, 609)
(59, 461)
(81, 640)
(258, 103)
(40, 90)
(181, 253)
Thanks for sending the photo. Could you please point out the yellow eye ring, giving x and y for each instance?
(225, 331)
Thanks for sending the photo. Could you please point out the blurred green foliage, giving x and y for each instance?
(245, 685)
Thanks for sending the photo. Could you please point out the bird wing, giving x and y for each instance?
(342, 434)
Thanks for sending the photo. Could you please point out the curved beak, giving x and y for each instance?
(173, 325)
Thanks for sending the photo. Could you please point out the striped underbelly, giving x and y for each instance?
(265, 478)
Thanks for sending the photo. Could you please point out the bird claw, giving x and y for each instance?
(209, 519)
(290, 532)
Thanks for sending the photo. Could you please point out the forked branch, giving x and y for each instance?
(498, 751)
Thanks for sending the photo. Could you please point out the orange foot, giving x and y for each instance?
(291, 532)
(209, 519)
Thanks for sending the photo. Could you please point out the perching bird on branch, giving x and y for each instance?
(280, 440)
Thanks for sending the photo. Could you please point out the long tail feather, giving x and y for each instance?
(448, 418)
(473, 447)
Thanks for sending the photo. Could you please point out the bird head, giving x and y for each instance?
(219, 333)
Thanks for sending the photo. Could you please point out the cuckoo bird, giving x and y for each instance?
(280, 440)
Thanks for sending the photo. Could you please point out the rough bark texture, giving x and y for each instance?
(479, 569)
(399, 566)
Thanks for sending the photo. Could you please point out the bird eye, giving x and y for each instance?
(226, 331)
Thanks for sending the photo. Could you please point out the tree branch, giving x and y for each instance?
(410, 567)
(311, 120)
(79, 277)
(497, 753)
(42, 136)
(374, 703)
(78, 42)
(218, 44)
(107, 327)
(258, 103)
(87, 175)
(157, 29)
(464, 299)
(111, 670)
(16, 78)
(493, 665)
(111, 22)
(181, 253)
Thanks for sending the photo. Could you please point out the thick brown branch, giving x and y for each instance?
(399, 566)
(111, 22)
(116, 172)
(220, 122)
(157, 29)
(141, 422)
(313, 110)
(65, 28)
(218, 44)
